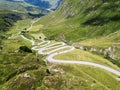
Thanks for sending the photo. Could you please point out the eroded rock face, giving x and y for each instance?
(110, 52)
(113, 52)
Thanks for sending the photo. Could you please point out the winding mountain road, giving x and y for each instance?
(45, 47)
(52, 53)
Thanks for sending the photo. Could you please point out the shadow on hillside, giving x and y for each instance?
(35, 15)
(92, 8)
(101, 20)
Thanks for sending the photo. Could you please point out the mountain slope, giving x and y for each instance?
(82, 19)
(89, 24)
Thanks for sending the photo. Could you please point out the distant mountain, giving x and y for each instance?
(52, 4)
(19, 6)
(32, 6)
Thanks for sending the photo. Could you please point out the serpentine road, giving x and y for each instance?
(41, 50)
(46, 48)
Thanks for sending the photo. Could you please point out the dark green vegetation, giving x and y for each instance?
(25, 49)
(7, 19)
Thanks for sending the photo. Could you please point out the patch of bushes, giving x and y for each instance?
(24, 49)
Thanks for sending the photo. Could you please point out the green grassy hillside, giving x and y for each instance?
(79, 20)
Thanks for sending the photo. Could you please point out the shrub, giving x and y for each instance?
(25, 49)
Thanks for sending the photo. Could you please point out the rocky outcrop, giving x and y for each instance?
(111, 52)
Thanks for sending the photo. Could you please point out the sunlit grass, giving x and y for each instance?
(36, 29)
